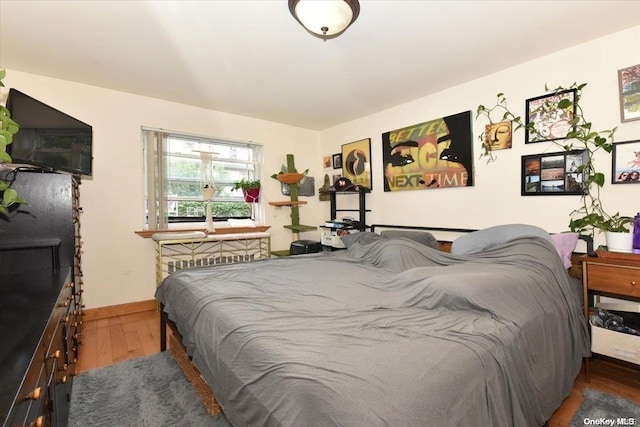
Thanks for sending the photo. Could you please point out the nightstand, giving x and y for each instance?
(610, 274)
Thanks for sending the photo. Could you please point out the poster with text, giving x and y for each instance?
(429, 155)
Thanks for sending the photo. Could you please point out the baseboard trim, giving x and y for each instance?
(119, 310)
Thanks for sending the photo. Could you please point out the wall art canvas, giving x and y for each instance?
(553, 173)
(498, 136)
(356, 162)
(626, 162)
(629, 88)
(429, 155)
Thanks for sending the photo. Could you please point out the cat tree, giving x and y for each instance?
(292, 178)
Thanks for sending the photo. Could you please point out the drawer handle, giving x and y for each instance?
(633, 283)
(35, 394)
(38, 422)
(54, 355)
(63, 380)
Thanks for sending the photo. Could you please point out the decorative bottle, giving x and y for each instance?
(636, 233)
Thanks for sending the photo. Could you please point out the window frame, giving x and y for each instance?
(157, 153)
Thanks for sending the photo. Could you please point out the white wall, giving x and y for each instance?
(119, 265)
(495, 197)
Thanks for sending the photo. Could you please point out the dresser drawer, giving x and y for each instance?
(615, 279)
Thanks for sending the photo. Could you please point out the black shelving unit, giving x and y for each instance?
(362, 206)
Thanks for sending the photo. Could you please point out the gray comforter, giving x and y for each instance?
(389, 333)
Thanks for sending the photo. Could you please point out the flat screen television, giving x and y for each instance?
(49, 138)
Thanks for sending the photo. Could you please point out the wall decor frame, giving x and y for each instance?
(327, 162)
(625, 168)
(429, 155)
(550, 122)
(553, 174)
(337, 161)
(629, 89)
(498, 136)
(356, 162)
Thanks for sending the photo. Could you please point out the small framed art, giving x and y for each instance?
(337, 161)
(548, 117)
(326, 162)
(498, 136)
(626, 162)
(629, 88)
(553, 173)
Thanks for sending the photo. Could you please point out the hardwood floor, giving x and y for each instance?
(116, 339)
(113, 340)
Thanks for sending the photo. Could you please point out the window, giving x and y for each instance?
(177, 168)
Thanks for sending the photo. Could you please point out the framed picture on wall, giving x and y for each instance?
(337, 161)
(326, 162)
(356, 162)
(548, 117)
(498, 136)
(626, 162)
(552, 174)
(434, 154)
(629, 88)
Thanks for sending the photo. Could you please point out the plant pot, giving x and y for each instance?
(208, 193)
(619, 242)
(289, 178)
(251, 195)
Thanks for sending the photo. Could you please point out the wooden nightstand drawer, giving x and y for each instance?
(615, 279)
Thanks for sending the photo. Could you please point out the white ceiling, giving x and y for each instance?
(252, 58)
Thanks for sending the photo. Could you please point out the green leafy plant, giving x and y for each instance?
(590, 216)
(8, 128)
(246, 184)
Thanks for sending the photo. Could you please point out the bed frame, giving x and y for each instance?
(169, 331)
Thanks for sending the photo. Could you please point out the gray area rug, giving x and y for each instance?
(147, 391)
(604, 409)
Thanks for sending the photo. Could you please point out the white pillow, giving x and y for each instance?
(492, 236)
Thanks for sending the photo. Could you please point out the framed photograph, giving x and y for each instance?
(553, 173)
(356, 162)
(629, 87)
(626, 163)
(550, 115)
(337, 161)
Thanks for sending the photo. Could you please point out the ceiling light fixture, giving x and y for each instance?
(325, 19)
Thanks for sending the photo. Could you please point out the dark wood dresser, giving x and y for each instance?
(39, 321)
(40, 300)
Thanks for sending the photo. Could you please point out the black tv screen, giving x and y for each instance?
(48, 138)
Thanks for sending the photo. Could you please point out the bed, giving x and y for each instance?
(391, 331)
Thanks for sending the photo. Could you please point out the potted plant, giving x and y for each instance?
(616, 230)
(8, 128)
(289, 178)
(590, 216)
(250, 189)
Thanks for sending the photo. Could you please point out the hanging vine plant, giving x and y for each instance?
(8, 128)
(590, 215)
